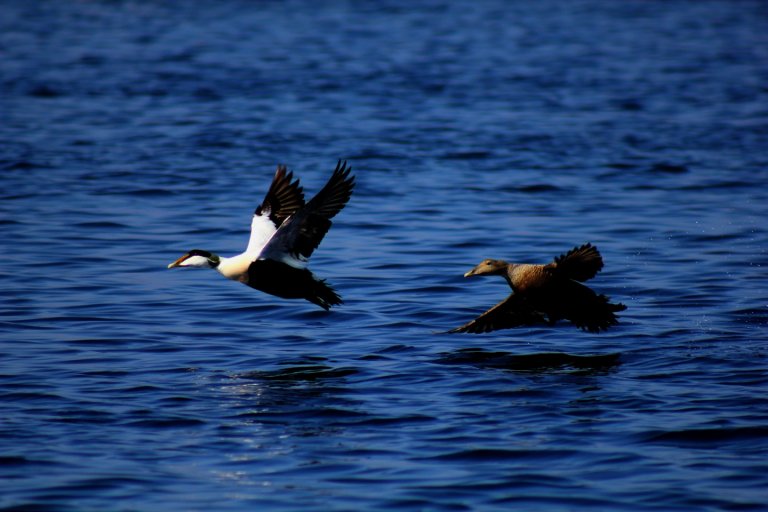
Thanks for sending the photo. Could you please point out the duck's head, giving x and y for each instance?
(197, 258)
(488, 267)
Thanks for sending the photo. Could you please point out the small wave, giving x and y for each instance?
(707, 436)
(21, 165)
(44, 91)
(668, 168)
(100, 224)
(501, 454)
(538, 188)
(147, 192)
(31, 396)
(397, 420)
(375, 154)
(718, 185)
(166, 423)
(11, 460)
(467, 155)
(301, 373)
(753, 316)
(396, 349)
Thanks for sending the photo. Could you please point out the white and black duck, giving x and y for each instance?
(285, 231)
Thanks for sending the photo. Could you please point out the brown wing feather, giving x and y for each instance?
(580, 264)
(511, 312)
(284, 197)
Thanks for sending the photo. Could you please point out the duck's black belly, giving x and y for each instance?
(279, 279)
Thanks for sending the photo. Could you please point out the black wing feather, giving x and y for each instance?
(284, 197)
(335, 194)
(302, 233)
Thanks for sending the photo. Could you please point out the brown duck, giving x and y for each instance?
(547, 293)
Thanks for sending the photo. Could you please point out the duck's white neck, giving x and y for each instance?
(236, 267)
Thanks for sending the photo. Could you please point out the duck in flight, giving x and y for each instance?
(285, 231)
(547, 293)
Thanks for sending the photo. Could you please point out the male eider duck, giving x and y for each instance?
(547, 293)
(284, 233)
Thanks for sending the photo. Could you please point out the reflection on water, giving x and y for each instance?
(542, 362)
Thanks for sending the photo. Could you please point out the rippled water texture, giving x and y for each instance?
(134, 131)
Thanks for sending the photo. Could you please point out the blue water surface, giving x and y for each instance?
(133, 131)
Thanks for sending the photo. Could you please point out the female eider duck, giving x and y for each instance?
(284, 233)
(547, 293)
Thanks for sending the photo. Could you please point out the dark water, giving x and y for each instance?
(134, 131)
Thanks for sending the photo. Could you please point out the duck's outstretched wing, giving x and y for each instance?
(284, 198)
(335, 194)
(514, 311)
(580, 264)
(298, 237)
